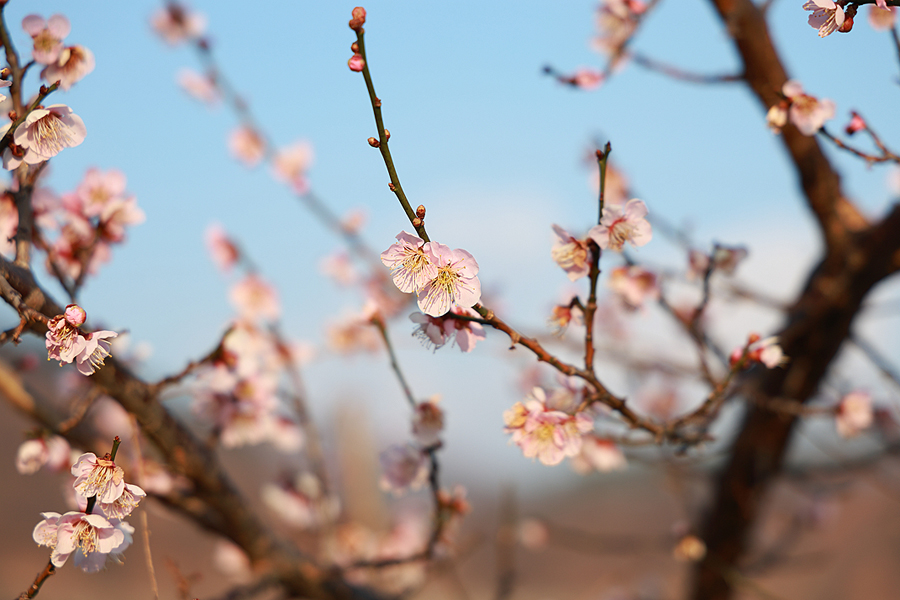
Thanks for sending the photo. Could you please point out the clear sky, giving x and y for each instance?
(491, 146)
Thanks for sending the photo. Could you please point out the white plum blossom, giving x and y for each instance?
(854, 414)
(44, 134)
(827, 16)
(571, 254)
(91, 537)
(622, 224)
(456, 282)
(411, 269)
(99, 477)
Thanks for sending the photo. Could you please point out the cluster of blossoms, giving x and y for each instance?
(440, 277)
(92, 537)
(66, 64)
(807, 113)
(67, 343)
(405, 466)
(51, 451)
(549, 428)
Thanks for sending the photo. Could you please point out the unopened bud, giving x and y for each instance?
(5, 73)
(356, 63)
(354, 48)
(847, 25)
(377, 102)
(374, 143)
(387, 134)
(13, 115)
(392, 187)
(420, 211)
(44, 89)
(856, 123)
(753, 338)
(359, 18)
(75, 315)
(417, 222)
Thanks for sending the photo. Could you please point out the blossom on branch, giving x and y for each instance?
(455, 284)
(633, 285)
(176, 24)
(73, 65)
(428, 422)
(882, 18)
(806, 112)
(247, 145)
(91, 537)
(33, 454)
(47, 36)
(572, 255)
(854, 414)
(411, 269)
(622, 224)
(99, 477)
(437, 331)
(44, 134)
(66, 343)
(544, 433)
(403, 467)
(827, 16)
(291, 164)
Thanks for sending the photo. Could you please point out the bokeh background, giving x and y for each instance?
(496, 152)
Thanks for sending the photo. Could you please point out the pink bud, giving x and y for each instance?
(359, 13)
(356, 63)
(75, 315)
(856, 123)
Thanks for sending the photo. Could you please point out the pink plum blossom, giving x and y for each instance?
(428, 422)
(854, 414)
(403, 467)
(622, 224)
(117, 215)
(200, 87)
(97, 190)
(616, 22)
(882, 18)
(47, 36)
(598, 455)
(255, 299)
(633, 285)
(857, 123)
(430, 330)
(826, 16)
(222, 249)
(52, 451)
(411, 268)
(544, 433)
(766, 351)
(291, 164)
(291, 505)
(124, 505)
(807, 113)
(571, 254)
(725, 259)
(356, 63)
(456, 282)
(437, 331)
(339, 267)
(73, 65)
(44, 533)
(66, 343)
(176, 24)
(247, 145)
(93, 350)
(44, 134)
(99, 477)
(353, 333)
(91, 537)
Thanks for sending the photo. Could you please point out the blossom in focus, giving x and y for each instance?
(411, 269)
(47, 36)
(222, 249)
(65, 342)
(571, 254)
(51, 450)
(622, 224)
(90, 537)
(291, 164)
(807, 113)
(92, 351)
(99, 477)
(254, 298)
(200, 87)
(73, 65)
(44, 134)
(546, 434)
(428, 422)
(176, 24)
(598, 455)
(455, 284)
(247, 145)
(882, 19)
(633, 285)
(124, 505)
(854, 414)
(826, 16)
(403, 467)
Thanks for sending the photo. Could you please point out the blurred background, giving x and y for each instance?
(497, 152)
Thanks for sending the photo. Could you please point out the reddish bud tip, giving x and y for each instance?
(377, 102)
(847, 25)
(387, 134)
(374, 143)
(417, 222)
(354, 48)
(359, 13)
(44, 89)
(356, 63)
(753, 338)
(420, 211)
(5, 72)
(13, 115)
(392, 187)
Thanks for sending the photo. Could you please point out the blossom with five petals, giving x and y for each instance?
(622, 224)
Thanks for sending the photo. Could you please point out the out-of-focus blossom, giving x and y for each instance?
(119, 214)
(806, 112)
(766, 351)
(411, 268)
(291, 165)
(616, 23)
(247, 145)
(52, 451)
(99, 477)
(47, 36)
(254, 298)
(455, 284)
(533, 534)
(437, 331)
(598, 454)
(561, 315)
(428, 422)
(73, 64)
(222, 249)
(352, 333)
(292, 506)
(854, 414)
(622, 224)
(403, 467)
(124, 505)
(633, 285)
(826, 16)
(725, 259)
(339, 267)
(232, 561)
(200, 87)
(454, 506)
(689, 549)
(44, 134)
(4, 84)
(353, 221)
(857, 123)
(176, 24)
(97, 190)
(571, 254)
(882, 19)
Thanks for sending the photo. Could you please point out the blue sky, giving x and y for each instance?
(492, 147)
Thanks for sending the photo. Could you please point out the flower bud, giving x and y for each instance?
(753, 338)
(392, 187)
(856, 123)
(359, 18)
(354, 48)
(417, 222)
(387, 134)
(374, 143)
(847, 25)
(420, 211)
(75, 315)
(356, 63)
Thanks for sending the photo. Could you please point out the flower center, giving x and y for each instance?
(619, 233)
(51, 135)
(86, 537)
(446, 280)
(570, 255)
